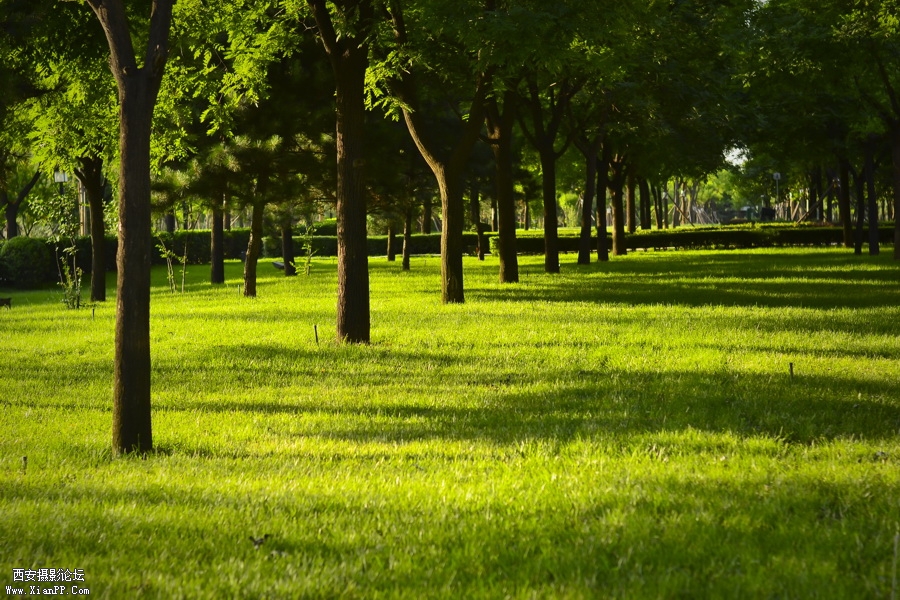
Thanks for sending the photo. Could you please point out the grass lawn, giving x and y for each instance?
(624, 430)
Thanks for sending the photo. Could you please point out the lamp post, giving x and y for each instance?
(60, 178)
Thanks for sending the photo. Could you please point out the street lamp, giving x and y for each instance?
(60, 177)
(777, 178)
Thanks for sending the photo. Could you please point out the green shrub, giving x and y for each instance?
(326, 227)
(26, 262)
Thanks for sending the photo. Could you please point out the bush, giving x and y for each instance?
(26, 262)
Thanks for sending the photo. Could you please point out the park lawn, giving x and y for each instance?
(629, 429)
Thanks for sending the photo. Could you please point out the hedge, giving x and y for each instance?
(25, 262)
(527, 242)
(719, 237)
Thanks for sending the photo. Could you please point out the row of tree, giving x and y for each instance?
(244, 103)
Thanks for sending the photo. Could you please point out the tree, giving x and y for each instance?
(446, 160)
(138, 86)
(345, 28)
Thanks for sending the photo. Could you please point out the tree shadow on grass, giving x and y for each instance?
(644, 534)
(381, 403)
(765, 280)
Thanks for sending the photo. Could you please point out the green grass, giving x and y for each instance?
(621, 430)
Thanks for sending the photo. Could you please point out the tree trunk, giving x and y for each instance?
(217, 247)
(349, 57)
(657, 206)
(12, 212)
(253, 248)
(630, 204)
(602, 186)
(551, 211)
(138, 89)
(617, 183)
(664, 204)
(895, 158)
(91, 176)
(407, 238)
(453, 217)
(860, 184)
(169, 220)
(874, 248)
(287, 246)
(13, 206)
(590, 149)
(475, 210)
(644, 188)
(392, 241)
(844, 203)
(500, 131)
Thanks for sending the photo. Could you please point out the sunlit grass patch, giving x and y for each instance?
(668, 424)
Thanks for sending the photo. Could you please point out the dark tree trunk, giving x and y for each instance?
(500, 131)
(657, 205)
(226, 220)
(475, 209)
(844, 203)
(602, 186)
(630, 204)
(349, 57)
(644, 188)
(138, 89)
(551, 211)
(253, 250)
(91, 176)
(830, 181)
(873, 200)
(392, 241)
(453, 217)
(407, 238)
(617, 183)
(170, 222)
(895, 159)
(217, 247)
(590, 149)
(860, 183)
(12, 212)
(664, 204)
(13, 206)
(287, 247)
(495, 215)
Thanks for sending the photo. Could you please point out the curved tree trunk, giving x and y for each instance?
(13, 206)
